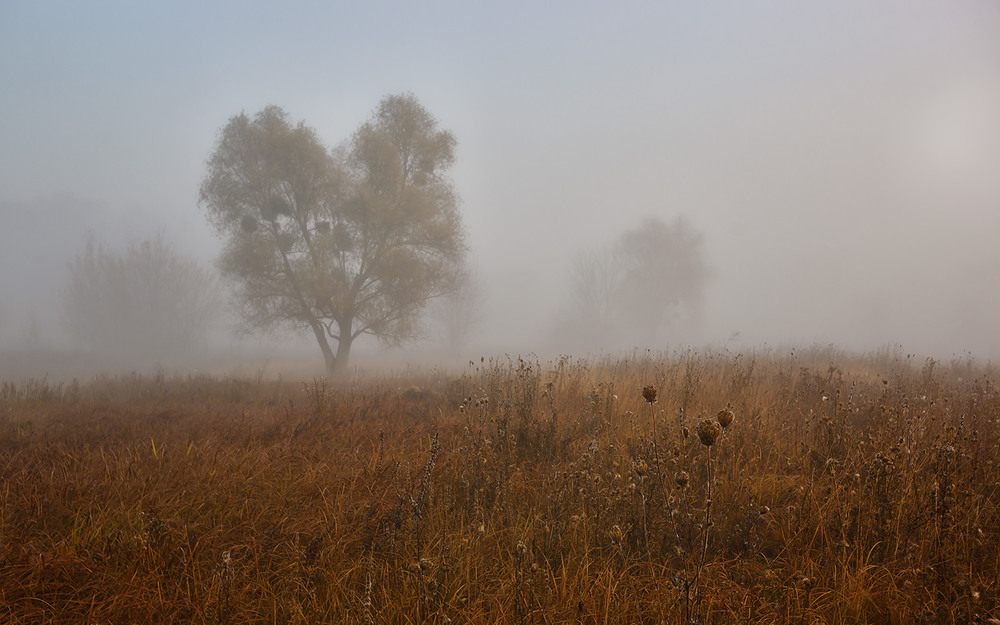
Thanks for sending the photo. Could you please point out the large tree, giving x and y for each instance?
(346, 242)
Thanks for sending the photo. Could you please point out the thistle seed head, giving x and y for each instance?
(726, 417)
(708, 431)
(681, 478)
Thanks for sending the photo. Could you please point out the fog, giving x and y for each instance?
(840, 160)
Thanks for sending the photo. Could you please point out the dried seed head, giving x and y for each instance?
(708, 431)
(681, 478)
(649, 393)
(726, 417)
(641, 467)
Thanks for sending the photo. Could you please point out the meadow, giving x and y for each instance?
(805, 487)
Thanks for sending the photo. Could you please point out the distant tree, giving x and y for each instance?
(459, 313)
(592, 317)
(663, 275)
(344, 243)
(626, 293)
(145, 303)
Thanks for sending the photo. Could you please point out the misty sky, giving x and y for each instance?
(841, 158)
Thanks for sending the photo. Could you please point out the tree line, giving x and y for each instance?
(355, 240)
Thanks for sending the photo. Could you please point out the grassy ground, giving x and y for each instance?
(847, 489)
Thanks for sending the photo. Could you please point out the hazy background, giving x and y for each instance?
(841, 159)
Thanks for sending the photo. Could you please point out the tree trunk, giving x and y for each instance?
(343, 355)
(324, 346)
(343, 348)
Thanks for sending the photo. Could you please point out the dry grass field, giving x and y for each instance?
(846, 489)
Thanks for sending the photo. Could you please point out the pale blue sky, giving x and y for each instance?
(841, 158)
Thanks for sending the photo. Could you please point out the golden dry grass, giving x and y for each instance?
(847, 490)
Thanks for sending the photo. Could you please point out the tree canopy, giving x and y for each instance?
(345, 242)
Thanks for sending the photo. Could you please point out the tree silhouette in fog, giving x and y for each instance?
(344, 243)
(624, 295)
(457, 315)
(142, 305)
(663, 275)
